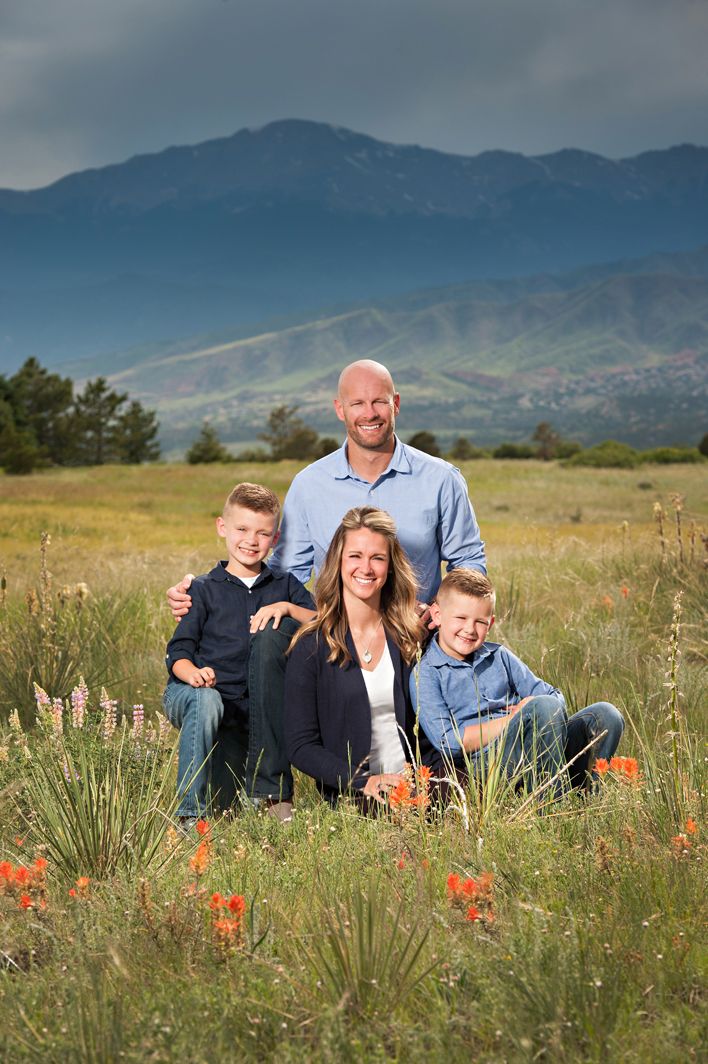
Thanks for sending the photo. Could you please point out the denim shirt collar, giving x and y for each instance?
(219, 573)
(400, 462)
(440, 660)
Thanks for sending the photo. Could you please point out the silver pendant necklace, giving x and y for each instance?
(367, 655)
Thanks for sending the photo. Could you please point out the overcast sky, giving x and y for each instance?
(88, 82)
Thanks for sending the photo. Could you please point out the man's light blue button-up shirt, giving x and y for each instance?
(426, 496)
(449, 694)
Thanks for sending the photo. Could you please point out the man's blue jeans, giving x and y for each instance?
(230, 747)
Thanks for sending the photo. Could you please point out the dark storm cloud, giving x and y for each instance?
(83, 85)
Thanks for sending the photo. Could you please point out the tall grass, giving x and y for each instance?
(352, 946)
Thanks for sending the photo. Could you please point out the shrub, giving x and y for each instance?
(425, 441)
(463, 450)
(607, 455)
(514, 450)
(669, 455)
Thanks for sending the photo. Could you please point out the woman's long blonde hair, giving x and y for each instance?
(398, 595)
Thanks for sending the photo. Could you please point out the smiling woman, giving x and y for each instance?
(348, 716)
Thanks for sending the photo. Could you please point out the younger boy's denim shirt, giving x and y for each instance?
(449, 694)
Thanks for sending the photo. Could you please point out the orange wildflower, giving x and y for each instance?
(237, 905)
(401, 862)
(217, 901)
(424, 774)
(202, 828)
(200, 861)
(227, 932)
(83, 884)
(624, 766)
(19, 841)
(400, 795)
(607, 602)
(25, 901)
(602, 765)
(624, 591)
(691, 826)
(462, 892)
(72, 892)
(7, 872)
(23, 876)
(453, 885)
(681, 845)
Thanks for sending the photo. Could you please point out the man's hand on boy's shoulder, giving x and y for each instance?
(177, 598)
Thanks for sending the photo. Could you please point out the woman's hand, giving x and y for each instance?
(377, 787)
(275, 612)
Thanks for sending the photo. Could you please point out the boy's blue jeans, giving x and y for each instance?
(222, 748)
(541, 739)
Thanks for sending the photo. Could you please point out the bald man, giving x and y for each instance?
(426, 496)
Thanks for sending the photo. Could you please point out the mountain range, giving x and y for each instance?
(218, 279)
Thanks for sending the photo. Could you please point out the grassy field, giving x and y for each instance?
(350, 939)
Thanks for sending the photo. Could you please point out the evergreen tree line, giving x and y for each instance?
(289, 437)
(42, 423)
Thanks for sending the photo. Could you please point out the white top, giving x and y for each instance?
(249, 581)
(386, 750)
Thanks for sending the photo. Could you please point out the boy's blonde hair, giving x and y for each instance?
(468, 582)
(254, 497)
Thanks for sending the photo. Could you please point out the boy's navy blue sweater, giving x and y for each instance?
(215, 632)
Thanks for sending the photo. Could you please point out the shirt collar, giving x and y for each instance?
(439, 659)
(219, 573)
(400, 462)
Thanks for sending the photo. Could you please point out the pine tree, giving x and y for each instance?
(134, 435)
(288, 436)
(207, 448)
(96, 410)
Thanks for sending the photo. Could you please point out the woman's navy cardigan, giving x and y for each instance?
(328, 715)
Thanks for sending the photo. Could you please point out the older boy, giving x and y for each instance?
(212, 690)
(476, 698)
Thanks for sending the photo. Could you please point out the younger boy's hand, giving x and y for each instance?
(202, 677)
(275, 611)
(177, 598)
(518, 706)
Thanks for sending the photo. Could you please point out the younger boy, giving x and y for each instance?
(215, 687)
(476, 698)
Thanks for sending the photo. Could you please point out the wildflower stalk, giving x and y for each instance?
(672, 684)
(677, 502)
(659, 514)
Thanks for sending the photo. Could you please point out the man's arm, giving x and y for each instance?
(461, 545)
(294, 552)
(177, 598)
